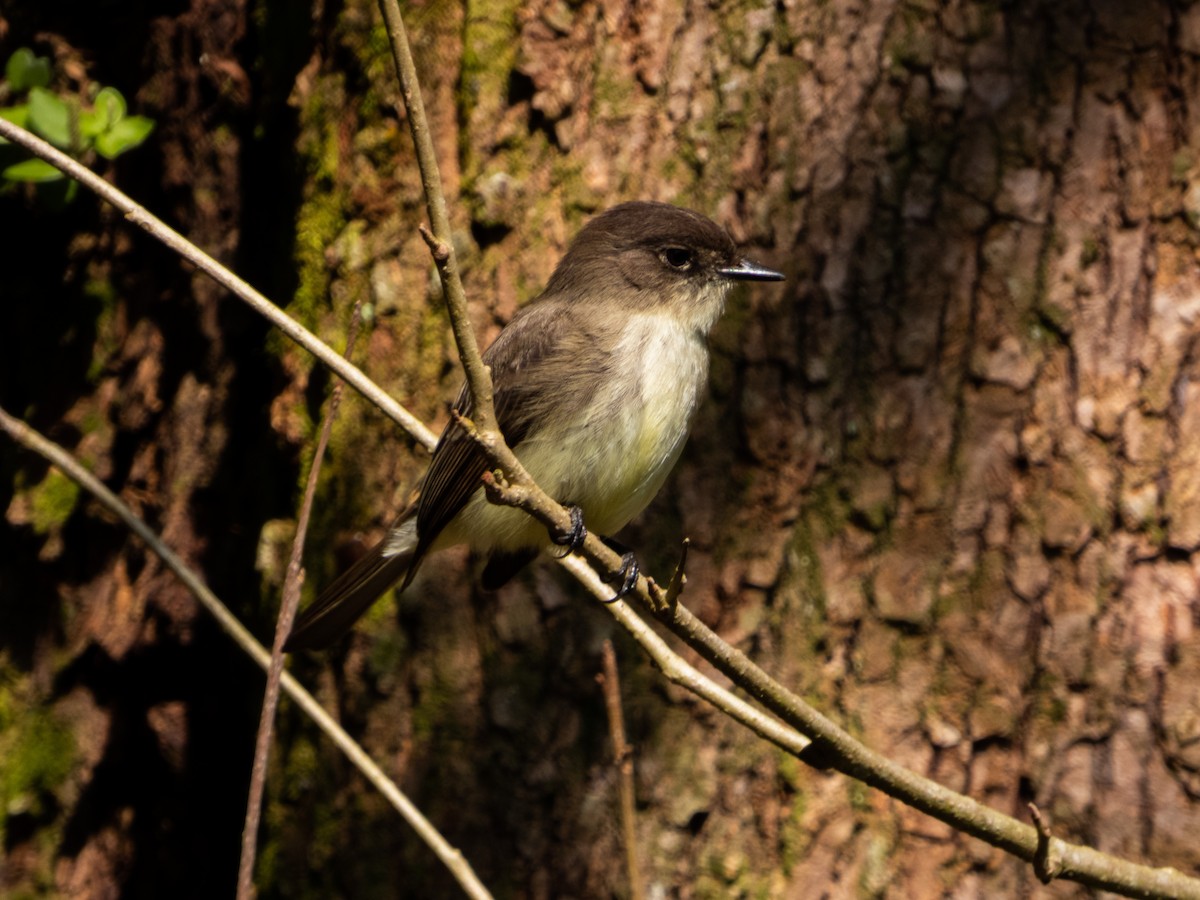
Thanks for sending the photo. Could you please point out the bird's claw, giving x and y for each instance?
(625, 580)
(571, 540)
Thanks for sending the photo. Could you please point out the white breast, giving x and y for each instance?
(615, 460)
(636, 426)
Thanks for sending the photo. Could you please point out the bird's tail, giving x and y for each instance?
(342, 603)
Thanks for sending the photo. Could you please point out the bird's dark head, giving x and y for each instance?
(649, 256)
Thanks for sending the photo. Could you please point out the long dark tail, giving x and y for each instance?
(342, 603)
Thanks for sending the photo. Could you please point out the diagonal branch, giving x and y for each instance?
(814, 738)
(140, 216)
(283, 626)
(448, 854)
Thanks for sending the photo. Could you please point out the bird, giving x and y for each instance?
(595, 385)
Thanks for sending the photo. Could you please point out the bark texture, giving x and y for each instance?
(947, 484)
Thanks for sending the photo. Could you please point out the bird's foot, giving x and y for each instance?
(571, 540)
(626, 579)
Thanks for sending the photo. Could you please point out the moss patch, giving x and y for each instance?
(38, 752)
(52, 501)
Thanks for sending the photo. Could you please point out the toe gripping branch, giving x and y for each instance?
(626, 579)
(573, 539)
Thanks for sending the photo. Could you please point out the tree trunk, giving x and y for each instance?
(947, 484)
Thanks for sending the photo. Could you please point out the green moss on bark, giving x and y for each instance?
(52, 501)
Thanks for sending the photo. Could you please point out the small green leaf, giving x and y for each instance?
(110, 104)
(25, 70)
(125, 135)
(50, 117)
(17, 65)
(35, 170)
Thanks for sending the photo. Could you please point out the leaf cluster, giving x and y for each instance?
(94, 121)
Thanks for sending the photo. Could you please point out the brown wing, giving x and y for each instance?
(545, 332)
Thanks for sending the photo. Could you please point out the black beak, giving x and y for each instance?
(745, 270)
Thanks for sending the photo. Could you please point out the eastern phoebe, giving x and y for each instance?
(595, 384)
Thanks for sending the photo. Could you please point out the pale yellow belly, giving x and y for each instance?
(615, 458)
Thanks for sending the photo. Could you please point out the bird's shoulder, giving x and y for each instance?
(548, 329)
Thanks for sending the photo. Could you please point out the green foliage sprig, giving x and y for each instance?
(67, 121)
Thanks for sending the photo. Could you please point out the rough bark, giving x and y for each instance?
(946, 484)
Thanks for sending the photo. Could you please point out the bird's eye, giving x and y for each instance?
(677, 258)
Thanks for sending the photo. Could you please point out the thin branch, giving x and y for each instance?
(140, 216)
(666, 601)
(623, 759)
(440, 242)
(283, 627)
(448, 854)
(679, 671)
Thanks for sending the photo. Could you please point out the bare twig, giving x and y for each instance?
(664, 602)
(440, 242)
(140, 216)
(450, 857)
(676, 669)
(623, 759)
(283, 626)
(1045, 860)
